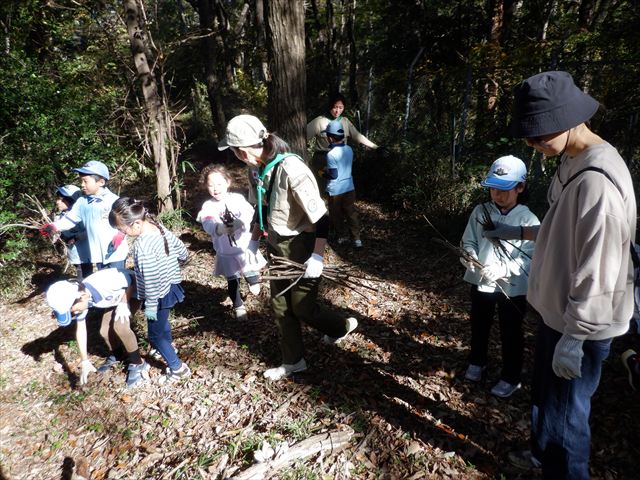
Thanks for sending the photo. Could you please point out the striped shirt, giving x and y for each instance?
(155, 270)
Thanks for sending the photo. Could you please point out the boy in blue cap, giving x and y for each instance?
(106, 245)
(340, 187)
(502, 280)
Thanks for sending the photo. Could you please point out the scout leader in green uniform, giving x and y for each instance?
(291, 210)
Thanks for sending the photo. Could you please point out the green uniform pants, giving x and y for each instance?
(298, 304)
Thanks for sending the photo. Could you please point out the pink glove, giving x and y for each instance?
(48, 230)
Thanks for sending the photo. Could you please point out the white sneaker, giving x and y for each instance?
(504, 389)
(342, 240)
(357, 243)
(241, 313)
(285, 370)
(254, 289)
(352, 324)
(474, 373)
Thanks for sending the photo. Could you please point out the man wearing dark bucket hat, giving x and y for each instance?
(581, 273)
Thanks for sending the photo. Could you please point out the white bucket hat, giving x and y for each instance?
(506, 173)
(60, 297)
(243, 131)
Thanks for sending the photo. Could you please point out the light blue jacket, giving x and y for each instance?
(518, 261)
(93, 211)
(340, 158)
(78, 251)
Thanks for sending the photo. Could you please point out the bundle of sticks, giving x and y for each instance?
(281, 268)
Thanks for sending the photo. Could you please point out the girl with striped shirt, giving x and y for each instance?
(157, 254)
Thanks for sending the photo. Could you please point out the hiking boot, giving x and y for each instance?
(524, 460)
(357, 243)
(631, 361)
(137, 373)
(254, 289)
(109, 363)
(241, 313)
(504, 389)
(175, 376)
(474, 373)
(352, 324)
(285, 370)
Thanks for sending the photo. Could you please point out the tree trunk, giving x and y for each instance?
(157, 129)
(353, 53)
(287, 88)
(210, 65)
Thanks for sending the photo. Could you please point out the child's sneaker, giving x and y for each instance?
(241, 313)
(136, 374)
(174, 376)
(504, 389)
(352, 324)
(631, 361)
(108, 364)
(357, 243)
(474, 373)
(254, 289)
(155, 354)
(342, 240)
(285, 370)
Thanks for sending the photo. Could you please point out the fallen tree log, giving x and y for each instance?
(330, 442)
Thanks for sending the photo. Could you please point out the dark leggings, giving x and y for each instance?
(233, 286)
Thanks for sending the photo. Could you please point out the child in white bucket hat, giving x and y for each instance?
(501, 282)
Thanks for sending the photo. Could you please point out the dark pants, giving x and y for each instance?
(299, 304)
(233, 287)
(511, 312)
(159, 330)
(343, 208)
(560, 433)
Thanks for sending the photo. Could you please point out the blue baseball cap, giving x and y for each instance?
(334, 128)
(506, 173)
(94, 167)
(69, 191)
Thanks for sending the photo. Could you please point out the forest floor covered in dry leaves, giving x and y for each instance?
(390, 402)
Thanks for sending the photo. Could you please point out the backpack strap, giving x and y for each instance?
(273, 164)
(635, 259)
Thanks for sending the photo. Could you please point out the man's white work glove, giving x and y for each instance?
(469, 265)
(494, 272)
(567, 357)
(504, 232)
(122, 313)
(86, 367)
(253, 246)
(314, 266)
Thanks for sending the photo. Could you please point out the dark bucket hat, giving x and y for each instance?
(549, 102)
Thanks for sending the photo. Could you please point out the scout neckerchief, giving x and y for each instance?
(260, 183)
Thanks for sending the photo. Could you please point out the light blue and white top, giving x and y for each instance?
(78, 251)
(340, 158)
(93, 212)
(107, 286)
(155, 270)
(519, 259)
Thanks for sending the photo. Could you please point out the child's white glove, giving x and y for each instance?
(122, 313)
(314, 266)
(494, 272)
(567, 357)
(86, 367)
(253, 246)
(467, 263)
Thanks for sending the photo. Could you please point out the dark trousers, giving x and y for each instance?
(342, 208)
(298, 304)
(560, 433)
(511, 312)
(233, 287)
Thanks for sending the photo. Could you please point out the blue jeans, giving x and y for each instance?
(159, 330)
(560, 433)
